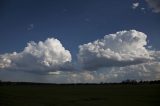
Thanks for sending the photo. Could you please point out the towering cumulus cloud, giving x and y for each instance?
(120, 49)
(47, 55)
(117, 57)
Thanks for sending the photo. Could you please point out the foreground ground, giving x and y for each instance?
(80, 95)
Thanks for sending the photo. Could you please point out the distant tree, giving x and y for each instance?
(128, 81)
(101, 83)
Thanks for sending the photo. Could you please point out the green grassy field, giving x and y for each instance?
(80, 95)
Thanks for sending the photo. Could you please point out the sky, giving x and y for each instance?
(71, 41)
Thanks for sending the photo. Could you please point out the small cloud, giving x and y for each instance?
(135, 5)
(54, 73)
(30, 27)
(149, 47)
(154, 5)
(143, 10)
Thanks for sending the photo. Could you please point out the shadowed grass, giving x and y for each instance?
(80, 95)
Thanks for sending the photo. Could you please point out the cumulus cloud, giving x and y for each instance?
(144, 71)
(114, 58)
(154, 4)
(135, 5)
(49, 55)
(120, 49)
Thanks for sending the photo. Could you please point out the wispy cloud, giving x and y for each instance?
(30, 27)
(154, 4)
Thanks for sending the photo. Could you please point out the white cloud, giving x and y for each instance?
(120, 49)
(116, 57)
(144, 71)
(49, 55)
(154, 4)
(135, 5)
(54, 73)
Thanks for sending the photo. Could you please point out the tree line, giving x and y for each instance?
(128, 81)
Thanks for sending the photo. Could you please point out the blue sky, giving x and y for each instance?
(74, 22)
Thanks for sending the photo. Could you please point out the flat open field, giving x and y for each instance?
(80, 95)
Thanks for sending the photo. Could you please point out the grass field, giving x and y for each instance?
(80, 95)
